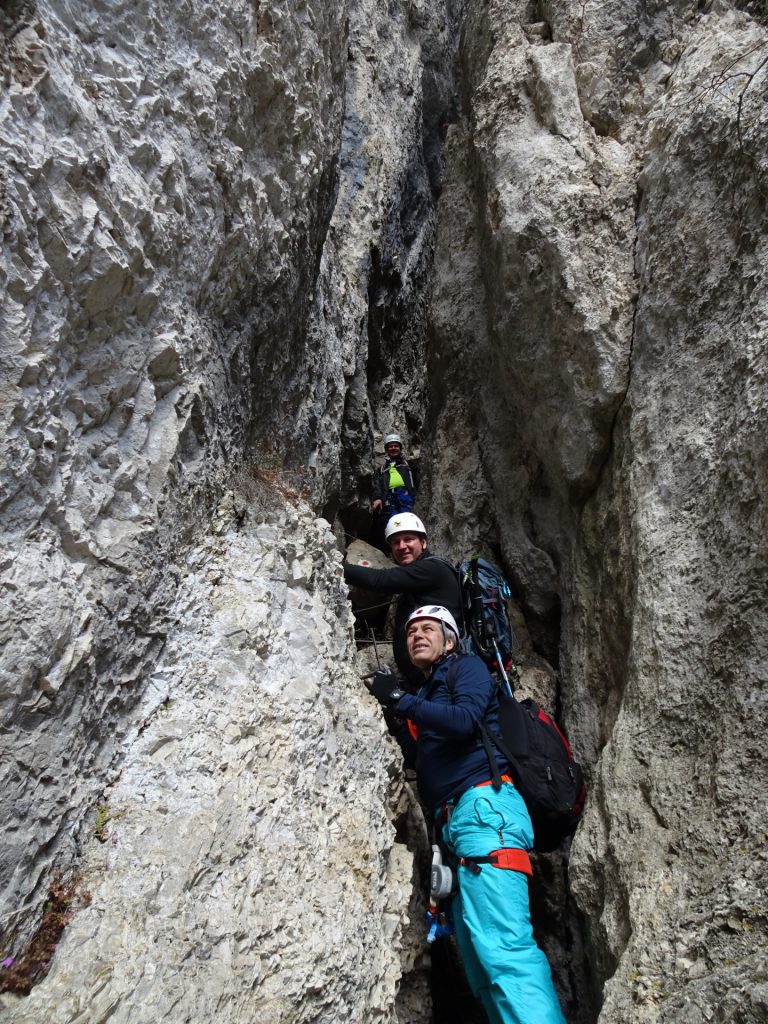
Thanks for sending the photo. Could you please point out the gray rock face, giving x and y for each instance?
(232, 245)
(533, 339)
(247, 868)
(164, 177)
(601, 249)
(365, 337)
(190, 236)
(682, 777)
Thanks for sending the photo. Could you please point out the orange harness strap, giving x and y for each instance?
(445, 811)
(508, 859)
(489, 782)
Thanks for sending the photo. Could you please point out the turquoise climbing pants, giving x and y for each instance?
(505, 968)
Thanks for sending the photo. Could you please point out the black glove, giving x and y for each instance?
(386, 689)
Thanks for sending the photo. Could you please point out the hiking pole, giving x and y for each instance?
(476, 601)
(502, 670)
(375, 645)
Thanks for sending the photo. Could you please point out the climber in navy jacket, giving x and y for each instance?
(487, 832)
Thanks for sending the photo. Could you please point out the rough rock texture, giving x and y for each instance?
(532, 302)
(601, 249)
(247, 868)
(170, 173)
(366, 604)
(373, 286)
(193, 200)
(218, 232)
(167, 169)
(673, 867)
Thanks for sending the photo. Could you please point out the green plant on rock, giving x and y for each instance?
(103, 817)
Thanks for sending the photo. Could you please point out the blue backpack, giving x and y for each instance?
(487, 629)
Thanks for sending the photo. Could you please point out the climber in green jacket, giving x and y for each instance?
(394, 488)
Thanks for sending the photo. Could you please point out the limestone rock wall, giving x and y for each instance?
(672, 867)
(244, 866)
(232, 243)
(599, 324)
(193, 199)
(533, 302)
(200, 206)
(166, 170)
(370, 303)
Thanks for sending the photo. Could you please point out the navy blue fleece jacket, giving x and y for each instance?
(448, 755)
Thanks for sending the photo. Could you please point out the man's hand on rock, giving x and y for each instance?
(385, 687)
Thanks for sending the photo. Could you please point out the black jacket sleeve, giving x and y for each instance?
(413, 466)
(420, 577)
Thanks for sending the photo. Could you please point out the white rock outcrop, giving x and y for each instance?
(245, 865)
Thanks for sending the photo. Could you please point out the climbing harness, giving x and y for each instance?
(508, 859)
(443, 881)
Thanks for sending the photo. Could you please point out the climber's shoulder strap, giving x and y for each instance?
(450, 678)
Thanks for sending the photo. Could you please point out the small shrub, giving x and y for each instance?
(264, 484)
(19, 974)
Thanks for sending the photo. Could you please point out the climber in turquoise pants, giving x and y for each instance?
(505, 968)
(488, 832)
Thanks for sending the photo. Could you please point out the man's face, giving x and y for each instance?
(424, 638)
(406, 547)
(392, 449)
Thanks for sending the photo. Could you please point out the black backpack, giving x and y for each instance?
(549, 780)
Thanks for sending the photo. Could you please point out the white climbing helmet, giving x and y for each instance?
(435, 611)
(393, 439)
(405, 522)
